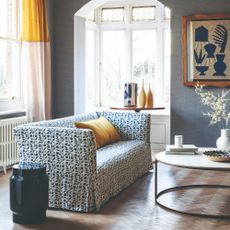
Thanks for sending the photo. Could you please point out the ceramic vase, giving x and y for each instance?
(130, 94)
(149, 98)
(142, 96)
(223, 142)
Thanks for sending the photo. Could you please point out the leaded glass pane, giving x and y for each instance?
(112, 14)
(143, 13)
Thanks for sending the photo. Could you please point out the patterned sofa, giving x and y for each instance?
(82, 178)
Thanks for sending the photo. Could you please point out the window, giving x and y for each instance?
(91, 16)
(167, 61)
(167, 14)
(112, 14)
(90, 70)
(143, 13)
(10, 85)
(132, 42)
(112, 66)
(143, 54)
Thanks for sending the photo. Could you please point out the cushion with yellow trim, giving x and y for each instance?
(104, 131)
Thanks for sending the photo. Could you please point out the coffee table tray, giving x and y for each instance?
(218, 155)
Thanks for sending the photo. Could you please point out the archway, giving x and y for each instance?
(80, 52)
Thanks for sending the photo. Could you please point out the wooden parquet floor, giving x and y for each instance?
(135, 208)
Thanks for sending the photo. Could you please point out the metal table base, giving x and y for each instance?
(176, 188)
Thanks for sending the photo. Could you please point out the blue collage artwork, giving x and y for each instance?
(219, 38)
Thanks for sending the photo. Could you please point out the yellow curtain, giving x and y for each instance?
(36, 60)
(34, 21)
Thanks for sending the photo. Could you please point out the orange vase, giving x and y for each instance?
(149, 98)
(142, 96)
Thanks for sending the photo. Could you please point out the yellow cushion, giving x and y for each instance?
(104, 131)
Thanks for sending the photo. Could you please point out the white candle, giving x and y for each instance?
(178, 139)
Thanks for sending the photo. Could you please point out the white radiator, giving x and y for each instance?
(8, 147)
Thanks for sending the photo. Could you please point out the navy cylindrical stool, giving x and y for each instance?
(29, 193)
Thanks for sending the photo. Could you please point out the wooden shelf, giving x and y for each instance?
(136, 109)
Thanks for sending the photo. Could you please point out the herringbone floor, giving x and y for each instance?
(135, 207)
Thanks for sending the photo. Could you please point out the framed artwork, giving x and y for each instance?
(206, 49)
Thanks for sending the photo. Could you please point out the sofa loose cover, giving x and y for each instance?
(82, 178)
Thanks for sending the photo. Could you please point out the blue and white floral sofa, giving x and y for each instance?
(82, 178)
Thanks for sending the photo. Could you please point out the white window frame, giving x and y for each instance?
(79, 63)
(15, 101)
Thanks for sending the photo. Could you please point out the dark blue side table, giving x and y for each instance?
(29, 193)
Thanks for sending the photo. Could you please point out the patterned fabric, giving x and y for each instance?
(66, 121)
(131, 125)
(119, 165)
(81, 178)
(70, 159)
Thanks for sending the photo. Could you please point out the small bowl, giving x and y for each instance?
(217, 155)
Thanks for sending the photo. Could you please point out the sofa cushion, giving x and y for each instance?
(104, 131)
(119, 165)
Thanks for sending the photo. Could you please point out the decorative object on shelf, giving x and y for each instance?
(130, 94)
(206, 58)
(142, 96)
(178, 141)
(217, 155)
(223, 142)
(149, 98)
(217, 114)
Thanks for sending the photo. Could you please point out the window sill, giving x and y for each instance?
(12, 114)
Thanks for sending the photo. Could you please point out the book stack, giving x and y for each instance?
(184, 150)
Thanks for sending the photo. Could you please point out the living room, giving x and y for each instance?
(135, 206)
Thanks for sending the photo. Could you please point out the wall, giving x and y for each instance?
(186, 111)
(49, 7)
(63, 53)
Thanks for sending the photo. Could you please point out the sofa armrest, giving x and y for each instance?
(41, 142)
(130, 125)
(70, 158)
(66, 122)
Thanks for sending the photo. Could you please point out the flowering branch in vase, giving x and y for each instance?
(217, 104)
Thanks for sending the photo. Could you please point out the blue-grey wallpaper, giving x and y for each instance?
(186, 110)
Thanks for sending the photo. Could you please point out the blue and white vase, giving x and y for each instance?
(130, 95)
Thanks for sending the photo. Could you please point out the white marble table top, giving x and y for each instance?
(197, 161)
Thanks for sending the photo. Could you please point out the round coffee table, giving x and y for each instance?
(197, 161)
